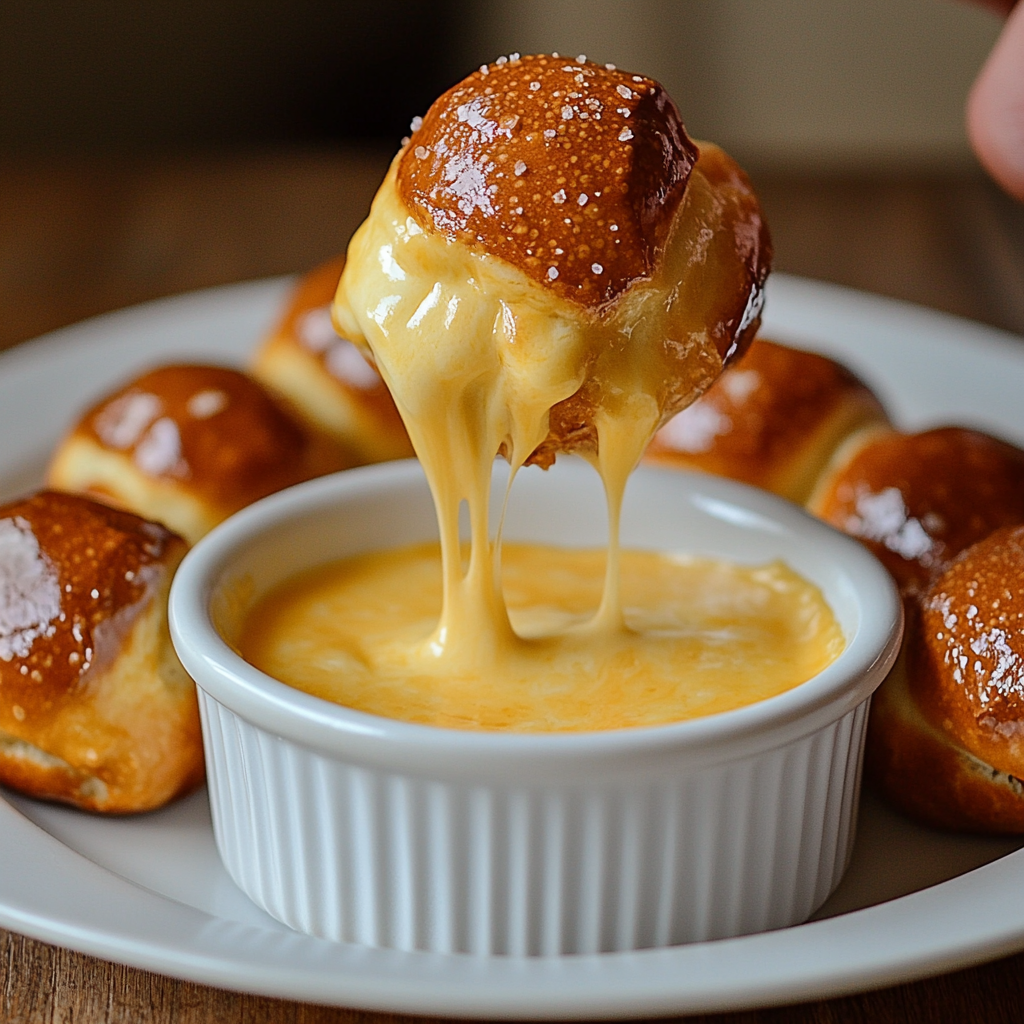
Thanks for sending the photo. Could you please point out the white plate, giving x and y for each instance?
(150, 891)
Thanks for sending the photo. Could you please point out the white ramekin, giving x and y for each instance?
(367, 830)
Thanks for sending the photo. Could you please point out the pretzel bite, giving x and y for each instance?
(325, 379)
(917, 500)
(95, 709)
(946, 739)
(774, 420)
(553, 215)
(188, 446)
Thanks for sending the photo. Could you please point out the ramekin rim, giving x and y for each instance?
(314, 721)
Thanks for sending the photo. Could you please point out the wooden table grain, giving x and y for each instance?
(78, 238)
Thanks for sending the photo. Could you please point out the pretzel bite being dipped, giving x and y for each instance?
(946, 735)
(95, 709)
(188, 446)
(552, 238)
(773, 420)
(918, 500)
(325, 379)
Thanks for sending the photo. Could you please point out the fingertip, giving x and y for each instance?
(995, 108)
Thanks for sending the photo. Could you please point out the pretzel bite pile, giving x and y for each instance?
(933, 507)
(95, 709)
(943, 510)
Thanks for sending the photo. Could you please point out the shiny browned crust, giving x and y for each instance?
(206, 435)
(918, 500)
(95, 709)
(966, 664)
(728, 239)
(773, 420)
(359, 416)
(927, 774)
(555, 166)
(582, 176)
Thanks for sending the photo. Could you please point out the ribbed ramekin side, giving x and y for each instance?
(627, 861)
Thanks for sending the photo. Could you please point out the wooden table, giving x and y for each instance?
(80, 238)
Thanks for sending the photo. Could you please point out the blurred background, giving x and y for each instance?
(150, 146)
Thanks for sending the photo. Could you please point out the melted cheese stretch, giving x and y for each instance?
(476, 354)
(702, 637)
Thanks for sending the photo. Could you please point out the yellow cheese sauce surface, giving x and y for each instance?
(699, 637)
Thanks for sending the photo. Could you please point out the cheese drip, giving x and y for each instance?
(476, 355)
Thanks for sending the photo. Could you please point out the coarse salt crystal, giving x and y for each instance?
(597, 268)
(520, 168)
(581, 59)
(566, 112)
(549, 133)
(552, 273)
(534, 86)
(421, 152)
(416, 123)
(204, 404)
(559, 197)
(624, 91)
(582, 199)
(625, 135)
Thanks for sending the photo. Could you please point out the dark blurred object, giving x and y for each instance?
(125, 75)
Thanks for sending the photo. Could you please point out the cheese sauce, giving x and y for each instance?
(699, 637)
